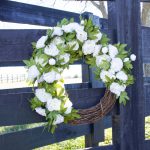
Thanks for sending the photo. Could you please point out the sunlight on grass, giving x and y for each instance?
(147, 127)
(73, 144)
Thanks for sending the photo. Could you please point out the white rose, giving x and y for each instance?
(100, 58)
(33, 72)
(133, 57)
(51, 50)
(65, 57)
(104, 50)
(68, 110)
(82, 22)
(40, 61)
(113, 51)
(52, 61)
(111, 71)
(39, 80)
(121, 76)
(116, 64)
(99, 36)
(40, 111)
(88, 47)
(42, 95)
(58, 76)
(75, 43)
(68, 103)
(81, 36)
(126, 59)
(59, 119)
(51, 76)
(96, 50)
(53, 104)
(58, 40)
(117, 88)
(41, 42)
(72, 27)
(103, 75)
(57, 31)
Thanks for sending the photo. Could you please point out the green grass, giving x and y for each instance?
(72, 144)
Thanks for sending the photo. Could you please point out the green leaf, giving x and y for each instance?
(130, 80)
(49, 32)
(128, 65)
(105, 65)
(36, 103)
(123, 98)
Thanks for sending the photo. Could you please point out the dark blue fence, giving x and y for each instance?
(127, 123)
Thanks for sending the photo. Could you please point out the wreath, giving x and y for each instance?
(63, 45)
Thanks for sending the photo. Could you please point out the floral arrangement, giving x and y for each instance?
(63, 45)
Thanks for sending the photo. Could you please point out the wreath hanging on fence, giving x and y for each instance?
(63, 45)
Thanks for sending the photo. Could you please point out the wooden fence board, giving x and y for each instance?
(132, 116)
(146, 44)
(31, 14)
(19, 108)
(15, 45)
(37, 137)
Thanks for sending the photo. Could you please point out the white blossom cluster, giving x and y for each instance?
(55, 51)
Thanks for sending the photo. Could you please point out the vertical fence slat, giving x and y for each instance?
(132, 115)
(115, 116)
(97, 129)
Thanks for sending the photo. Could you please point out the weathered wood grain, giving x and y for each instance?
(15, 106)
(31, 14)
(37, 137)
(132, 116)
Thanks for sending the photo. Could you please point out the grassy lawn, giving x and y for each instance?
(72, 144)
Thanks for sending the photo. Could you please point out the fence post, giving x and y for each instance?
(132, 115)
(97, 129)
(112, 25)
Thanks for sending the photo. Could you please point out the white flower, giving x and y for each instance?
(100, 58)
(68, 110)
(81, 36)
(59, 119)
(51, 76)
(57, 31)
(58, 40)
(53, 104)
(39, 80)
(33, 72)
(40, 61)
(52, 61)
(113, 51)
(60, 69)
(58, 76)
(99, 36)
(103, 75)
(82, 22)
(40, 111)
(111, 71)
(88, 47)
(96, 50)
(68, 103)
(72, 27)
(116, 64)
(42, 95)
(41, 42)
(133, 57)
(51, 50)
(121, 76)
(104, 50)
(75, 43)
(117, 88)
(126, 59)
(65, 57)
